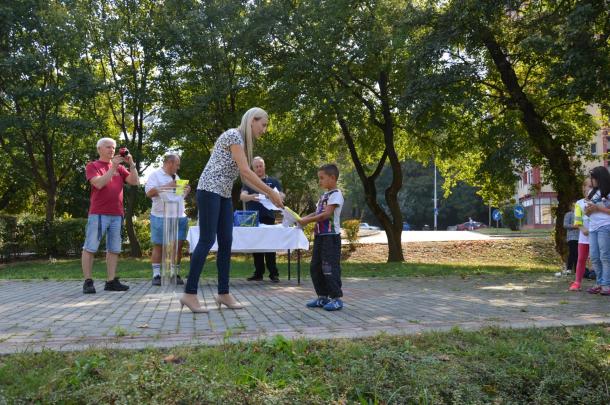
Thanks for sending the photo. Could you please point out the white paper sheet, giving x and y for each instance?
(267, 202)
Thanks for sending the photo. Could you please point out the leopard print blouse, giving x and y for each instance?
(221, 171)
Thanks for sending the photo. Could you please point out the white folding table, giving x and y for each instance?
(263, 238)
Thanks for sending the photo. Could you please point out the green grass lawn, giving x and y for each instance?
(543, 366)
(242, 266)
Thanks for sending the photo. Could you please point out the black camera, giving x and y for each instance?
(123, 151)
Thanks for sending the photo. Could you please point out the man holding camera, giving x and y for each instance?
(107, 178)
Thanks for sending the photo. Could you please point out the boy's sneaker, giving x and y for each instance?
(318, 302)
(88, 287)
(334, 305)
(115, 285)
(274, 279)
(156, 280)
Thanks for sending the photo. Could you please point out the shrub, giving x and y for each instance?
(62, 237)
(9, 244)
(142, 228)
(308, 230)
(351, 227)
(508, 218)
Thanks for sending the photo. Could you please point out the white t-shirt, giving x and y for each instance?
(599, 219)
(159, 178)
(331, 225)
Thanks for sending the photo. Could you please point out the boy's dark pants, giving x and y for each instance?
(325, 265)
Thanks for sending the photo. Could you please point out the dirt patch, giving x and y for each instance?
(513, 251)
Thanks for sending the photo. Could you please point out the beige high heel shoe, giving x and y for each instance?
(194, 309)
(228, 301)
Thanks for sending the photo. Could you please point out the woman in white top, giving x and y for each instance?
(230, 158)
(598, 209)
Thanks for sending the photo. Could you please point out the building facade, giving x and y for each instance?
(539, 199)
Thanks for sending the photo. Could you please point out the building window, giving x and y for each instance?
(529, 177)
(543, 211)
(594, 149)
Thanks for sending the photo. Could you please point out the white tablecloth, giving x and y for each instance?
(270, 238)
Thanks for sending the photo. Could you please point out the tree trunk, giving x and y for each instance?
(393, 229)
(50, 205)
(370, 193)
(136, 250)
(562, 169)
(50, 235)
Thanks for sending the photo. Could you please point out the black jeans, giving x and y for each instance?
(269, 257)
(215, 223)
(325, 265)
(572, 255)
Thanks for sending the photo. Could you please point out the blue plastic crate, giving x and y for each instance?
(245, 218)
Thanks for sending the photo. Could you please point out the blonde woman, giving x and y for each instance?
(231, 157)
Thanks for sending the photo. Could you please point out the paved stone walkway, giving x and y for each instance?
(56, 315)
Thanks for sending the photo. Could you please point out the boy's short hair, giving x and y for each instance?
(330, 169)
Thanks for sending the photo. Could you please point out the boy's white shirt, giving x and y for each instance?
(337, 200)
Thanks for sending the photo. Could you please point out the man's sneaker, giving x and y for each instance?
(318, 302)
(334, 305)
(115, 285)
(156, 280)
(255, 278)
(179, 280)
(88, 287)
(274, 279)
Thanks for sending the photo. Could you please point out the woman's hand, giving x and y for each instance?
(276, 199)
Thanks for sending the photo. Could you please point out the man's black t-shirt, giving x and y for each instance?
(256, 206)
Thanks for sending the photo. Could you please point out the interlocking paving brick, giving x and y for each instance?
(56, 315)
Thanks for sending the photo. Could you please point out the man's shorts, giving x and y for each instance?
(156, 229)
(99, 225)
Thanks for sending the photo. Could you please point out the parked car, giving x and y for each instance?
(365, 226)
(470, 226)
(406, 226)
